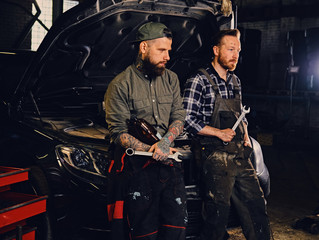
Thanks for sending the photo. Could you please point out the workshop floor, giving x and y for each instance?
(293, 164)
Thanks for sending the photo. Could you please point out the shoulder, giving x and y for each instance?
(122, 78)
(170, 77)
(169, 74)
(236, 78)
(198, 78)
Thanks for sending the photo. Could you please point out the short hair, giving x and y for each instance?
(222, 33)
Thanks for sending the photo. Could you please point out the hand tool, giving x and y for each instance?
(239, 119)
(131, 152)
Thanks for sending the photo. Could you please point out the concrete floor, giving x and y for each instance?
(293, 163)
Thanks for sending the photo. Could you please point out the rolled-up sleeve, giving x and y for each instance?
(192, 101)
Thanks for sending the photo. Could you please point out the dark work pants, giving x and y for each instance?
(156, 203)
(223, 175)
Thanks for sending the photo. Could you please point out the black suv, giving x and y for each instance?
(52, 118)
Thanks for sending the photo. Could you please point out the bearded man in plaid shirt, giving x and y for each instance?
(212, 99)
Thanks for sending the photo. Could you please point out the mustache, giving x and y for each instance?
(162, 62)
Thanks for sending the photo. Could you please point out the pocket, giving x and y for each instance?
(217, 161)
(165, 104)
(227, 119)
(141, 107)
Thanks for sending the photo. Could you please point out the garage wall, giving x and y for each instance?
(274, 50)
(280, 100)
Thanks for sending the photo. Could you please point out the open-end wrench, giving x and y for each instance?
(239, 119)
(131, 152)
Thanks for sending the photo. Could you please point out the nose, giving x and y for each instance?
(166, 56)
(236, 54)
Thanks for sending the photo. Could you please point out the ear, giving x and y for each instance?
(216, 50)
(143, 47)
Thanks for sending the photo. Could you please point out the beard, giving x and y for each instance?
(153, 69)
(227, 64)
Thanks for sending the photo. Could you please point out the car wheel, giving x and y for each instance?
(37, 185)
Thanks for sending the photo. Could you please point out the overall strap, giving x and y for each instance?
(209, 78)
(236, 87)
(216, 89)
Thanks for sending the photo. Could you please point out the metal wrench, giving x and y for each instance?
(239, 119)
(131, 152)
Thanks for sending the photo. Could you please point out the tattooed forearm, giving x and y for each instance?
(174, 130)
(128, 141)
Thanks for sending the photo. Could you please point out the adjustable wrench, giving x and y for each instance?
(131, 152)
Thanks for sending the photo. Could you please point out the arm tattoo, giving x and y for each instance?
(128, 141)
(174, 130)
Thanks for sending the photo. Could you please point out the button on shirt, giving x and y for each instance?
(158, 101)
(199, 97)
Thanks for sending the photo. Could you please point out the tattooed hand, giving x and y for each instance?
(159, 155)
(163, 145)
(162, 148)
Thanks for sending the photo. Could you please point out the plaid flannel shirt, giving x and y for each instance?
(199, 97)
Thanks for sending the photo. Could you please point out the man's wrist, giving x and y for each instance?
(217, 132)
(164, 144)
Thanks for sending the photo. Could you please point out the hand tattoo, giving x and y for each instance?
(164, 145)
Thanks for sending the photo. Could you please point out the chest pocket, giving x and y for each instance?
(141, 107)
(165, 105)
(227, 119)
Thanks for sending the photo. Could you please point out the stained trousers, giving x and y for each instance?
(156, 203)
(222, 175)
